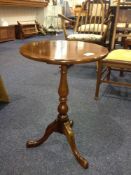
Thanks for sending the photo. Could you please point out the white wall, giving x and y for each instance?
(14, 14)
(42, 15)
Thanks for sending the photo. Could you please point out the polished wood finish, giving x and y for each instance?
(7, 33)
(62, 53)
(3, 92)
(24, 3)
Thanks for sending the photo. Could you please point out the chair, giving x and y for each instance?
(3, 92)
(117, 60)
(91, 24)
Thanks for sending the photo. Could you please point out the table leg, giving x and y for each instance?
(52, 127)
(70, 137)
(62, 124)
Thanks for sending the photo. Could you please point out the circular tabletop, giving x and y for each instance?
(63, 52)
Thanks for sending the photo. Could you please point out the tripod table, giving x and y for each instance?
(63, 53)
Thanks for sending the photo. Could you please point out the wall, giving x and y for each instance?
(14, 14)
(42, 15)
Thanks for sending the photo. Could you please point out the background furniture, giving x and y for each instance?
(77, 10)
(118, 60)
(92, 22)
(26, 29)
(69, 13)
(51, 21)
(63, 53)
(127, 42)
(3, 92)
(123, 21)
(7, 33)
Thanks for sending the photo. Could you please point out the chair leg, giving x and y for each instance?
(98, 81)
(109, 73)
(121, 73)
(97, 66)
(3, 92)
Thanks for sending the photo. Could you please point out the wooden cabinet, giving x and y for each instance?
(7, 33)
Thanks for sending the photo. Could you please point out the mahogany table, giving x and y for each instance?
(63, 53)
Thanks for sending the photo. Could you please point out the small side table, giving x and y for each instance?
(63, 53)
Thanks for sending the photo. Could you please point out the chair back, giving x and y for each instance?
(92, 17)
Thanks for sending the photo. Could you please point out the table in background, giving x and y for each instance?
(63, 53)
